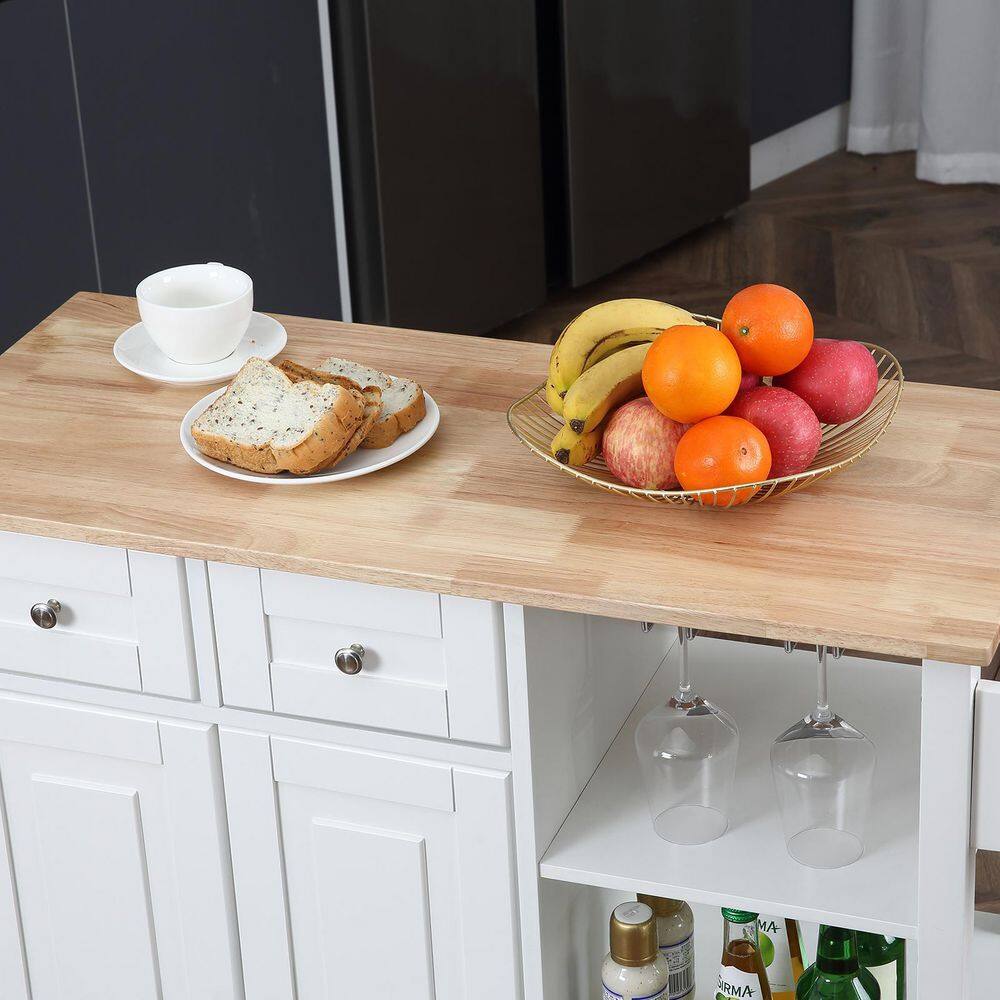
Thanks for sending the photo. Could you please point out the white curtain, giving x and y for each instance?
(926, 76)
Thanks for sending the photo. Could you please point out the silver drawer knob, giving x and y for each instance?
(45, 615)
(350, 659)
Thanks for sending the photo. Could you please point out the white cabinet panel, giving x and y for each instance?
(986, 788)
(364, 874)
(118, 849)
(92, 860)
(350, 865)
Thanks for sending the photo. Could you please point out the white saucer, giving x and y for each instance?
(363, 461)
(135, 350)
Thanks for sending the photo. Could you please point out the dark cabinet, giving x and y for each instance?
(46, 251)
(138, 135)
(205, 127)
(438, 113)
(656, 111)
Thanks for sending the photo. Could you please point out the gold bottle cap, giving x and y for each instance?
(660, 905)
(633, 935)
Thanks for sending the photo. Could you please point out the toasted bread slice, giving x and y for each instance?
(403, 404)
(264, 422)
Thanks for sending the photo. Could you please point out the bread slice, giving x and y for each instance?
(264, 422)
(297, 373)
(403, 404)
(372, 396)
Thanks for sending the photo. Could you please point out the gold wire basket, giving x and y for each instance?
(535, 425)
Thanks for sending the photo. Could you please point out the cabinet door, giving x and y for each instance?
(47, 251)
(367, 874)
(656, 123)
(117, 882)
(206, 133)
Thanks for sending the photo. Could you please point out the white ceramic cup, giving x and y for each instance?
(196, 313)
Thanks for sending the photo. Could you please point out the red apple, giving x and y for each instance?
(748, 382)
(789, 424)
(838, 379)
(639, 444)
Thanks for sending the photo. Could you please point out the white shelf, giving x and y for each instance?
(608, 840)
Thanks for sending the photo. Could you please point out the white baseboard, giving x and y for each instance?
(783, 152)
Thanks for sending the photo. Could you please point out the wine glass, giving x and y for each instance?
(823, 769)
(687, 751)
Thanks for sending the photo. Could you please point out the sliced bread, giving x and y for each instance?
(403, 404)
(265, 422)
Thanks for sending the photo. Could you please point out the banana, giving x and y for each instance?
(570, 352)
(598, 390)
(571, 448)
(553, 396)
(619, 340)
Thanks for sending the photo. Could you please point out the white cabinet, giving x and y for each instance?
(364, 874)
(115, 879)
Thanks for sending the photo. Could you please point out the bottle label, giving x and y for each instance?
(734, 982)
(610, 994)
(680, 962)
(885, 976)
(774, 951)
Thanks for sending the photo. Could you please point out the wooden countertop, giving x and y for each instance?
(897, 555)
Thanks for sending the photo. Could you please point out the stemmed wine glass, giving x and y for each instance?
(687, 752)
(823, 769)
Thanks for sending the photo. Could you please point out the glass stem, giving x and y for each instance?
(684, 683)
(822, 713)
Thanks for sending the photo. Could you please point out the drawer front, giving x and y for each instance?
(122, 618)
(432, 665)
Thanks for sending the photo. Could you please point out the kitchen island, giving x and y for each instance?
(248, 814)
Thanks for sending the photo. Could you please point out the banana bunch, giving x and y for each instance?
(596, 365)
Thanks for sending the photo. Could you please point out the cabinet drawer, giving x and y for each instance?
(432, 665)
(122, 618)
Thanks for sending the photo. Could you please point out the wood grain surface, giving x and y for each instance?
(897, 555)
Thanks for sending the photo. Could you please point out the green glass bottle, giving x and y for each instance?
(885, 958)
(837, 973)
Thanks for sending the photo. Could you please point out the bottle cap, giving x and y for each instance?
(738, 916)
(660, 905)
(633, 935)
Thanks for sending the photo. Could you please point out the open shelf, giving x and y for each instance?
(608, 840)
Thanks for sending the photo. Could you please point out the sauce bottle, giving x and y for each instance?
(634, 969)
(741, 972)
(675, 932)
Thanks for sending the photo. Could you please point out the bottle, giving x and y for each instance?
(837, 973)
(885, 958)
(675, 932)
(780, 945)
(741, 973)
(634, 969)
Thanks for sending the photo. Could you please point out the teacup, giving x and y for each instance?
(196, 313)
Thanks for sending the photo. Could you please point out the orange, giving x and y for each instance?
(722, 451)
(691, 372)
(770, 327)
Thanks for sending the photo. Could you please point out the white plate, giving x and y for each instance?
(135, 350)
(363, 461)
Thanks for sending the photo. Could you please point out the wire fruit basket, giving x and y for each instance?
(535, 425)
